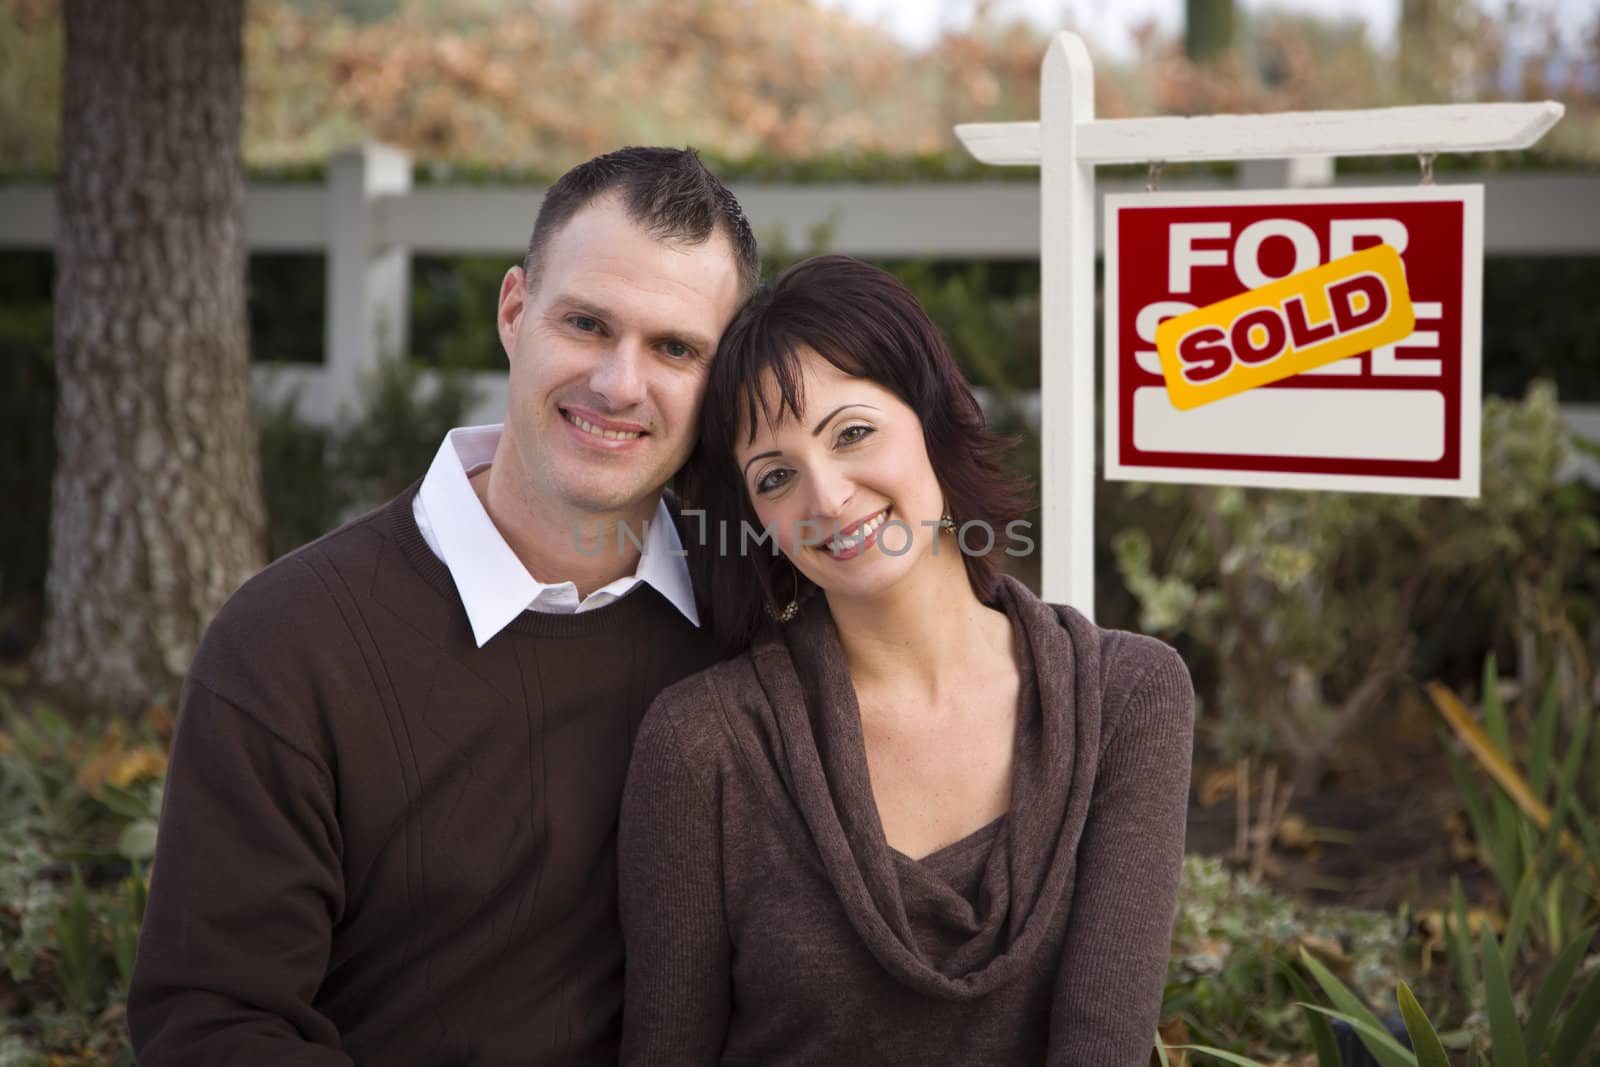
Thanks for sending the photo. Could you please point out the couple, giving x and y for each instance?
(918, 817)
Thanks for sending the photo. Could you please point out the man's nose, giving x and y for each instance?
(618, 378)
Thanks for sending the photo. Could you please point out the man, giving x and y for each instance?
(390, 813)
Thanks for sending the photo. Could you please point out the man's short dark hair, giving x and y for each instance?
(668, 191)
(862, 320)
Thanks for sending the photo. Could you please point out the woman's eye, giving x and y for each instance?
(771, 480)
(677, 350)
(851, 434)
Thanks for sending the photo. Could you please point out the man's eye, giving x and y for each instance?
(677, 349)
(584, 323)
(851, 434)
(771, 480)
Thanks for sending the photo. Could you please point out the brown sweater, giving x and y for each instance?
(383, 845)
(769, 922)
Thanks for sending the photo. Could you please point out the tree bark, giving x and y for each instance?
(157, 512)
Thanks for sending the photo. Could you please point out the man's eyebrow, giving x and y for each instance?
(565, 303)
(829, 416)
(752, 459)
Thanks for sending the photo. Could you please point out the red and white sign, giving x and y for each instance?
(1400, 418)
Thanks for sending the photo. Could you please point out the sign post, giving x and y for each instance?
(1067, 144)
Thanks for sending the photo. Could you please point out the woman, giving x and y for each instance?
(925, 818)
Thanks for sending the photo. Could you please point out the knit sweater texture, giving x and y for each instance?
(769, 922)
(381, 844)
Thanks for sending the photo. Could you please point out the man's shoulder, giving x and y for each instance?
(298, 606)
(297, 583)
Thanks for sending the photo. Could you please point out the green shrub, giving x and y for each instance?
(78, 806)
(1232, 978)
(315, 476)
(1303, 610)
(1538, 824)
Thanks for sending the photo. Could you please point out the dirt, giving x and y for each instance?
(1381, 828)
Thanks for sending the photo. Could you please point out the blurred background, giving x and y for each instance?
(390, 158)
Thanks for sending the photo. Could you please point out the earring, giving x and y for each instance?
(946, 523)
(791, 609)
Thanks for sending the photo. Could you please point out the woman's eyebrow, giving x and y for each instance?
(829, 416)
(758, 455)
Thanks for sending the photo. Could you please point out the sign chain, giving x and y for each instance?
(1153, 182)
(1425, 161)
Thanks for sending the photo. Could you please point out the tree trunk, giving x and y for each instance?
(1207, 28)
(157, 512)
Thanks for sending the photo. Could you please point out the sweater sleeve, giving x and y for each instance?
(244, 893)
(677, 993)
(1119, 933)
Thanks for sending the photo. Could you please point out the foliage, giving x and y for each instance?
(1305, 609)
(1538, 829)
(1235, 945)
(1553, 1031)
(315, 476)
(771, 82)
(78, 808)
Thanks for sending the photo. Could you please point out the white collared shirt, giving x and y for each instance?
(494, 585)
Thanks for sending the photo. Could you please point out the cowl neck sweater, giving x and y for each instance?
(817, 724)
(768, 921)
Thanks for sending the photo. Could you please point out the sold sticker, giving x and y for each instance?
(1352, 305)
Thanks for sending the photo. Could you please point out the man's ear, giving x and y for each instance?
(513, 303)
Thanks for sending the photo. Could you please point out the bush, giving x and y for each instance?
(1302, 610)
(78, 808)
(313, 476)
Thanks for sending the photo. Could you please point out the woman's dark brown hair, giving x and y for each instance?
(865, 322)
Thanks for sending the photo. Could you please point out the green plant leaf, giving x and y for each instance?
(1322, 1038)
(138, 840)
(1382, 1045)
(1521, 909)
(1540, 756)
(1494, 715)
(1504, 1032)
(1460, 947)
(1424, 1038)
(1379, 1041)
(1500, 865)
(75, 927)
(1578, 1024)
(1552, 991)
(1221, 1054)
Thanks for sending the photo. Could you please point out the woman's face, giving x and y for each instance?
(846, 488)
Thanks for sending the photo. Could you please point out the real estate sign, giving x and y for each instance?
(1299, 338)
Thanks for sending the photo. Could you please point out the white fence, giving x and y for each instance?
(368, 220)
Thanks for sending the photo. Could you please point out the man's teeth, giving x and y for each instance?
(615, 435)
(859, 534)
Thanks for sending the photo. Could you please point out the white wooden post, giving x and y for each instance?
(368, 277)
(1068, 142)
(1066, 310)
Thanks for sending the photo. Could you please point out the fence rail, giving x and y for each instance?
(368, 220)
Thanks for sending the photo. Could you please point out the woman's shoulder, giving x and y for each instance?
(696, 710)
(1134, 668)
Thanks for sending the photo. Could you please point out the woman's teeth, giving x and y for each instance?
(859, 534)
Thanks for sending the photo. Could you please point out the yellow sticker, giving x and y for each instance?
(1307, 320)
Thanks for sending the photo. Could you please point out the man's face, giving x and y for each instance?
(608, 357)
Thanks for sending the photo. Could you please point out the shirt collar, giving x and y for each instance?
(493, 584)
